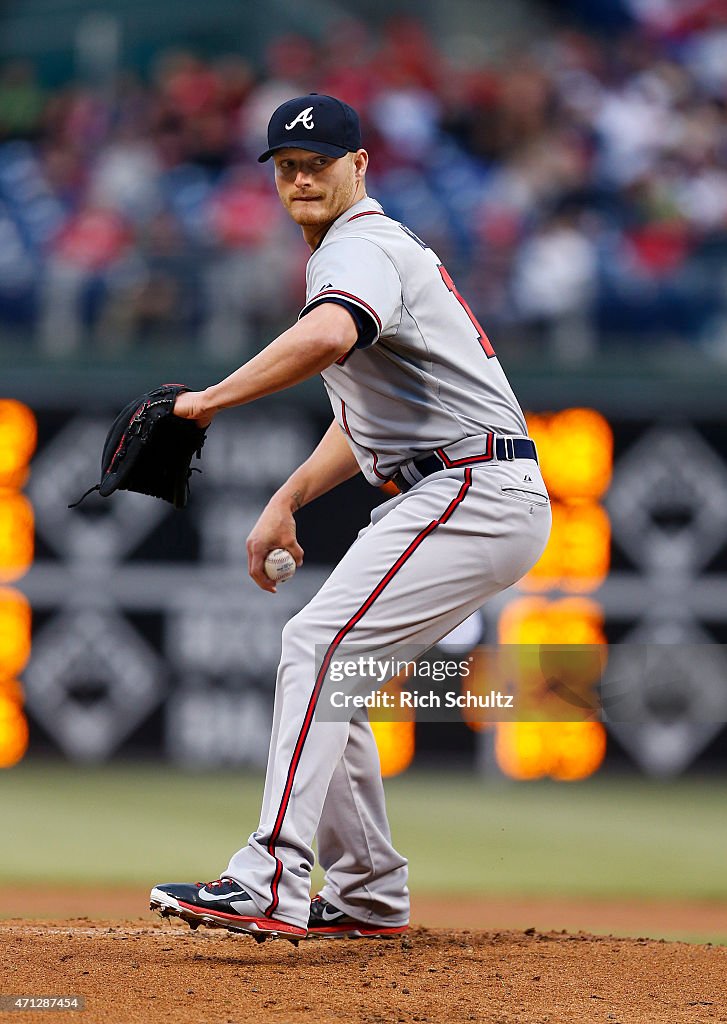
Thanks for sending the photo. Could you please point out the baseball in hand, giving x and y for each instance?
(279, 565)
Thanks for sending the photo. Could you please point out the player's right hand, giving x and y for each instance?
(274, 529)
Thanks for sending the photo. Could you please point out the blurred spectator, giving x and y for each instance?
(247, 278)
(157, 300)
(554, 286)
(576, 189)
(21, 101)
(91, 258)
(125, 178)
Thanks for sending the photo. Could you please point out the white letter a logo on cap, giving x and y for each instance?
(305, 117)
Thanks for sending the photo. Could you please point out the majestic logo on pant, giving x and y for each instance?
(305, 117)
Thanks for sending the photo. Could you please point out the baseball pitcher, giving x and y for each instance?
(419, 398)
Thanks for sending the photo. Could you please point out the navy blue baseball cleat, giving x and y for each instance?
(220, 904)
(327, 922)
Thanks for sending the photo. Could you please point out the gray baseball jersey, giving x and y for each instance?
(423, 374)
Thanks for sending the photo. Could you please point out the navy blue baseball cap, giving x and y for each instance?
(320, 124)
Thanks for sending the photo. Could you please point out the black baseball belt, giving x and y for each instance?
(497, 447)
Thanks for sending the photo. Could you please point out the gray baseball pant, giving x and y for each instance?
(427, 560)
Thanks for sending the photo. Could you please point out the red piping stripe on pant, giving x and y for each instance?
(310, 711)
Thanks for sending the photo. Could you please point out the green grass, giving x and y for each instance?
(597, 838)
(600, 838)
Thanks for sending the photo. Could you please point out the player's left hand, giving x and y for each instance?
(190, 406)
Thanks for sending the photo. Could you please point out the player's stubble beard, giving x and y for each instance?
(335, 200)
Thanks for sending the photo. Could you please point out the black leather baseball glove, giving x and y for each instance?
(148, 449)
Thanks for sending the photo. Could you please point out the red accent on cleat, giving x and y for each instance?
(264, 924)
(365, 931)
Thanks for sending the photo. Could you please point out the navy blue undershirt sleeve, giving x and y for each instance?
(364, 322)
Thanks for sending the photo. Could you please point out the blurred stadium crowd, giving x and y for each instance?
(576, 190)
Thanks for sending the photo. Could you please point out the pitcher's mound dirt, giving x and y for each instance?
(143, 972)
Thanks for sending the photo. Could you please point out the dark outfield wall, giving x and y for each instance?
(150, 639)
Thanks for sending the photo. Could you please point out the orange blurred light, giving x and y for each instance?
(395, 741)
(561, 750)
(520, 750)
(12, 689)
(14, 731)
(578, 554)
(16, 535)
(535, 620)
(15, 632)
(575, 450)
(566, 751)
(579, 750)
(18, 438)
(484, 674)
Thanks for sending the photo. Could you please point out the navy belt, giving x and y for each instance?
(500, 447)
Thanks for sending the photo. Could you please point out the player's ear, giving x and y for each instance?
(360, 163)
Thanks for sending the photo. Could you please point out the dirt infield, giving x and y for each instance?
(148, 971)
(673, 919)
